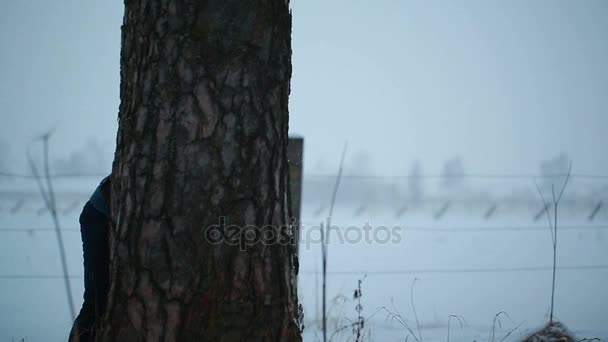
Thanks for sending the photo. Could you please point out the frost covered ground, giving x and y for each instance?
(465, 265)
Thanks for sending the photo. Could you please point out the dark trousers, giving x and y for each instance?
(94, 230)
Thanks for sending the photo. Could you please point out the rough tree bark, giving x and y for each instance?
(203, 125)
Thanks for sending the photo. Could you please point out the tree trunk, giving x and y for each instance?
(201, 145)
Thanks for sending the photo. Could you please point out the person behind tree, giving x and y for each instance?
(94, 230)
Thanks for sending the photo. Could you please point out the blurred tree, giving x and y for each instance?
(202, 138)
(92, 158)
(5, 156)
(453, 174)
(554, 171)
(360, 164)
(415, 184)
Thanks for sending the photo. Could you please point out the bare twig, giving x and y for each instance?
(565, 182)
(353, 325)
(340, 329)
(397, 317)
(460, 321)
(414, 309)
(555, 204)
(37, 177)
(324, 282)
(48, 197)
(546, 209)
(324, 240)
(338, 178)
(510, 332)
(553, 228)
(497, 320)
(359, 325)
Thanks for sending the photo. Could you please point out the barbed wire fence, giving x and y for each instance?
(439, 210)
(12, 174)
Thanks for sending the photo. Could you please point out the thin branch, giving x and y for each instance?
(510, 332)
(414, 308)
(340, 329)
(397, 317)
(325, 238)
(47, 174)
(546, 209)
(460, 320)
(555, 205)
(338, 178)
(34, 169)
(324, 282)
(497, 320)
(565, 182)
(49, 199)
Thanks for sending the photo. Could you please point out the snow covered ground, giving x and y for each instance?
(465, 265)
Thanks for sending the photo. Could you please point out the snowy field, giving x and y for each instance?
(466, 271)
(464, 264)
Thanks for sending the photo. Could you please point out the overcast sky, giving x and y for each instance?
(503, 84)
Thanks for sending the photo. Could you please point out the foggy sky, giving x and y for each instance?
(504, 85)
